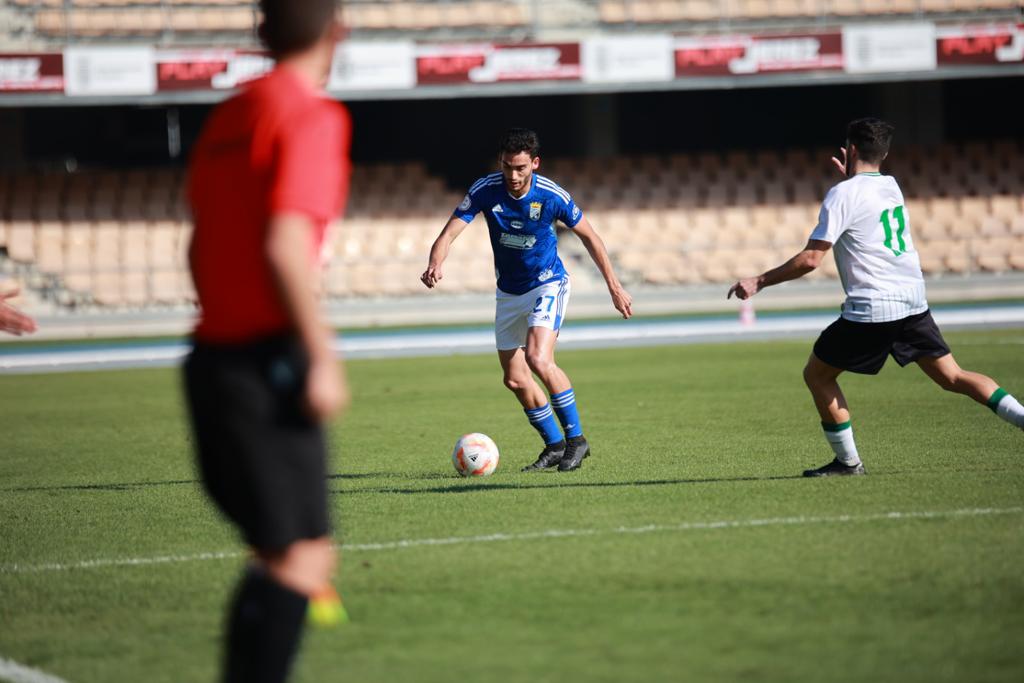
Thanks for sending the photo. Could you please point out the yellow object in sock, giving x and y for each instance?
(326, 610)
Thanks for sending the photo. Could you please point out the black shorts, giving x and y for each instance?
(261, 458)
(863, 347)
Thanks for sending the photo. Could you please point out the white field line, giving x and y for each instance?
(17, 673)
(469, 341)
(528, 536)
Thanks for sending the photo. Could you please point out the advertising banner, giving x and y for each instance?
(984, 44)
(628, 59)
(489, 63)
(109, 71)
(880, 48)
(209, 69)
(374, 66)
(742, 55)
(31, 73)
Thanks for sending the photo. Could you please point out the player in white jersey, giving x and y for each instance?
(521, 208)
(864, 220)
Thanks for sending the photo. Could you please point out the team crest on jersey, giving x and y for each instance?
(517, 225)
(466, 203)
(535, 208)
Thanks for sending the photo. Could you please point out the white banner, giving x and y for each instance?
(890, 47)
(628, 59)
(373, 66)
(109, 71)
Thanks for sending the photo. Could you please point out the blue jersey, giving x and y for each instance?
(522, 230)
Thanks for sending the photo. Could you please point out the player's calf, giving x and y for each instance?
(945, 372)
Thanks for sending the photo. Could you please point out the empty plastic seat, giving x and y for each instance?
(21, 241)
(992, 253)
(161, 248)
(49, 256)
(106, 288)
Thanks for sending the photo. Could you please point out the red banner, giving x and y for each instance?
(486, 63)
(31, 73)
(741, 55)
(985, 44)
(208, 69)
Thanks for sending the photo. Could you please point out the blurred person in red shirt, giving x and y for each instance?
(268, 174)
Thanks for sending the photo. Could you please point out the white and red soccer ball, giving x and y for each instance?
(475, 455)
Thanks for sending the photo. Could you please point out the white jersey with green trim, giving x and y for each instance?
(866, 221)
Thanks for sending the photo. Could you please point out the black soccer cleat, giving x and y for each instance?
(575, 451)
(549, 457)
(836, 469)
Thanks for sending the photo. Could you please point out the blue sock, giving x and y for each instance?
(543, 420)
(565, 407)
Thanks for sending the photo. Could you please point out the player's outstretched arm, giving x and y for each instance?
(11, 319)
(621, 299)
(289, 243)
(796, 267)
(439, 251)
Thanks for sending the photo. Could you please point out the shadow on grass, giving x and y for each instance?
(511, 486)
(135, 485)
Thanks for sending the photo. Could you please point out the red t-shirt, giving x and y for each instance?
(277, 147)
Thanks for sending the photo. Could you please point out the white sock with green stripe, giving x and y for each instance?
(840, 438)
(1007, 407)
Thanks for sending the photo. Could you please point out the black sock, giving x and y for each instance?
(264, 628)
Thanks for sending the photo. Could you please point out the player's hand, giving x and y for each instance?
(11, 319)
(622, 301)
(432, 275)
(840, 165)
(746, 288)
(326, 390)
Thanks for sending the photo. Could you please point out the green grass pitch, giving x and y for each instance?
(97, 466)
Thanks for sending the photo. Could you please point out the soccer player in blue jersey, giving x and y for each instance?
(521, 208)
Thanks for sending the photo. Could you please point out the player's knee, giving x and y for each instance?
(540, 363)
(304, 566)
(515, 382)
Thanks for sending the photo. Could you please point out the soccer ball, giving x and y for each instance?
(475, 455)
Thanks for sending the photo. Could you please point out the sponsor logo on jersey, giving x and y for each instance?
(466, 203)
(517, 225)
(513, 241)
(497, 209)
(535, 208)
(543, 318)
(545, 275)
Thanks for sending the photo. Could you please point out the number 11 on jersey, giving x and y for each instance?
(898, 214)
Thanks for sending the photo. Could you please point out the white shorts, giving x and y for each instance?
(515, 314)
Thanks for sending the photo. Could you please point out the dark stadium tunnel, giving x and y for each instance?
(456, 137)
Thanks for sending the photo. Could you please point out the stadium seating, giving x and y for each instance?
(192, 21)
(119, 239)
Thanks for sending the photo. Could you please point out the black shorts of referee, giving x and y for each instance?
(261, 457)
(864, 347)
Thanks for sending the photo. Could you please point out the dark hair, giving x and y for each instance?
(518, 140)
(291, 26)
(872, 138)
